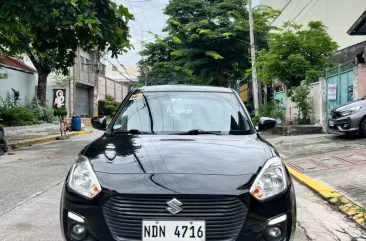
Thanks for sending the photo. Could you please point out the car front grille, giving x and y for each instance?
(224, 216)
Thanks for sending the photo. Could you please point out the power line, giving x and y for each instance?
(138, 1)
(145, 10)
(302, 10)
(119, 71)
(297, 4)
(283, 9)
(309, 10)
(143, 13)
(133, 12)
(124, 68)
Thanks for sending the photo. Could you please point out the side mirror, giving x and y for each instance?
(99, 123)
(266, 124)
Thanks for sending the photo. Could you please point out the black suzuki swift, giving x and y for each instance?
(179, 163)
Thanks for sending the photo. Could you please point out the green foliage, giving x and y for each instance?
(62, 80)
(109, 98)
(41, 114)
(33, 113)
(50, 32)
(107, 107)
(296, 54)
(207, 43)
(17, 116)
(60, 112)
(110, 109)
(15, 97)
(300, 96)
(4, 75)
(4, 103)
(271, 109)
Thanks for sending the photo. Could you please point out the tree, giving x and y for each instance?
(296, 54)
(300, 96)
(50, 32)
(63, 80)
(207, 42)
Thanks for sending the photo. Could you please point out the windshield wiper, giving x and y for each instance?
(131, 131)
(197, 132)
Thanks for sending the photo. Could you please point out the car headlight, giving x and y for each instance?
(270, 181)
(83, 180)
(349, 111)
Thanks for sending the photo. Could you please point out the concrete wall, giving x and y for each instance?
(101, 87)
(20, 81)
(118, 92)
(337, 15)
(107, 86)
(315, 100)
(361, 86)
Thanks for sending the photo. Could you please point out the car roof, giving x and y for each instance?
(184, 88)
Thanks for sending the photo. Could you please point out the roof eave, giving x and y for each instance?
(17, 69)
(361, 21)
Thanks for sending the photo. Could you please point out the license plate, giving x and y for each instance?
(331, 123)
(173, 230)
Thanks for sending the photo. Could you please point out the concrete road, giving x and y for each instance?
(331, 159)
(31, 187)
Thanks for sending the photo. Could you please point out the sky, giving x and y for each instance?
(149, 17)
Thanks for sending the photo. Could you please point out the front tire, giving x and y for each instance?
(363, 127)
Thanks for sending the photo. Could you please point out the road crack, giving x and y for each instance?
(30, 198)
(305, 231)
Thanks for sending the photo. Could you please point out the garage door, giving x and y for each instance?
(82, 102)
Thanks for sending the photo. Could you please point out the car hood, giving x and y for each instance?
(349, 105)
(176, 154)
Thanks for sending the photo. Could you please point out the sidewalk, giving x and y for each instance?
(41, 137)
(333, 166)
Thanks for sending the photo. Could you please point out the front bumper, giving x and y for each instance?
(254, 228)
(343, 124)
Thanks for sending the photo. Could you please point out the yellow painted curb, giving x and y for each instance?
(46, 139)
(350, 209)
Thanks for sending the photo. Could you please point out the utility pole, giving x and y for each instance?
(253, 53)
(146, 74)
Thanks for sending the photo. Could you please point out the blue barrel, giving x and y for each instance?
(76, 123)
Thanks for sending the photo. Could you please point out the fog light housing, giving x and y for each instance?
(274, 232)
(78, 232)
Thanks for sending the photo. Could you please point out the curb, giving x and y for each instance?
(353, 211)
(28, 142)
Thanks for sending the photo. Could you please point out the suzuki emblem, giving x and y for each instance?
(174, 206)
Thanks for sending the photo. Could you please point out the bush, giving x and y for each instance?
(60, 112)
(271, 109)
(110, 109)
(18, 116)
(42, 114)
(105, 107)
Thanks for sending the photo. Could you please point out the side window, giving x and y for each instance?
(135, 115)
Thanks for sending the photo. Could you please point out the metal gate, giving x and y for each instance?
(339, 85)
(82, 102)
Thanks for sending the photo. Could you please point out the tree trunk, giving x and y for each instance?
(223, 81)
(42, 87)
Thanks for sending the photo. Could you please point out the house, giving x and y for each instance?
(20, 77)
(336, 15)
(88, 84)
(359, 29)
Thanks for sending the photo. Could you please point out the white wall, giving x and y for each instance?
(315, 103)
(20, 81)
(337, 15)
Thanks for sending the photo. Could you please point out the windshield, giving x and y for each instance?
(177, 112)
